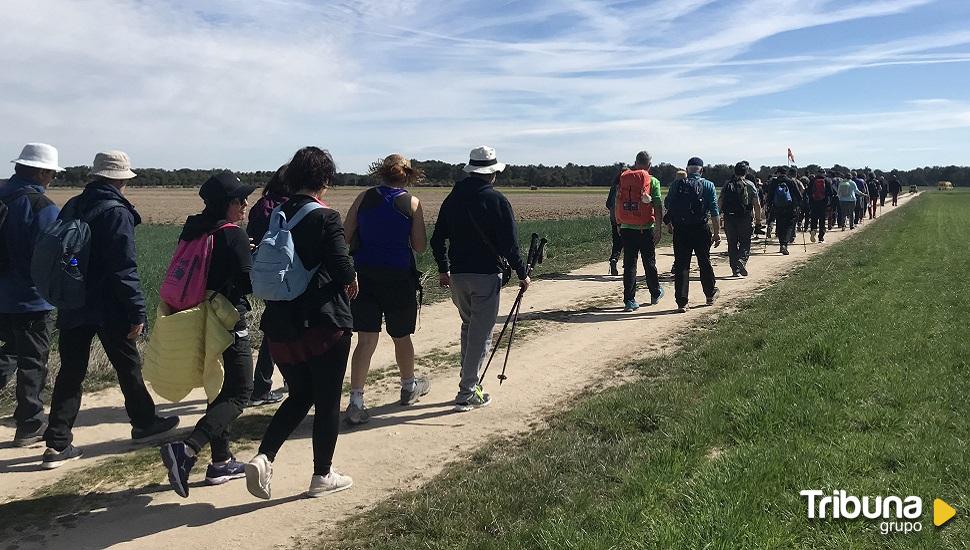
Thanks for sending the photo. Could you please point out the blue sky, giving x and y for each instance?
(244, 83)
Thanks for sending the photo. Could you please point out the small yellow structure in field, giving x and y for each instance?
(944, 186)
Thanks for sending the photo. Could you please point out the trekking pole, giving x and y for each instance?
(804, 245)
(539, 256)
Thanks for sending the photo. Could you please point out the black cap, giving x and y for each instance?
(224, 186)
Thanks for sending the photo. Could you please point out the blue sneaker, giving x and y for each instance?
(217, 474)
(630, 305)
(178, 464)
(654, 300)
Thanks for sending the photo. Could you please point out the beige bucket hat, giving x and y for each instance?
(112, 165)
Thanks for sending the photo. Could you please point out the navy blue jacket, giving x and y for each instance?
(466, 252)
(113, 290)
(27, 216)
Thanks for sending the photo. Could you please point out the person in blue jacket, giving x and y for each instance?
(25, 317)
(114, 311)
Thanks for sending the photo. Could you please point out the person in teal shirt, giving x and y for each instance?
(640, 240)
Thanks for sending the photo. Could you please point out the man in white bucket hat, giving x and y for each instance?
(478, 224)
(113, 310)
(25, 317)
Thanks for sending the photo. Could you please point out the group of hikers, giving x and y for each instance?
(321, 278)
(694, 213)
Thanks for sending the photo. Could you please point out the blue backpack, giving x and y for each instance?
(278, 274)
(686, 204)
(782, 198)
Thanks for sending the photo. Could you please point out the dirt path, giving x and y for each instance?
(580, 337)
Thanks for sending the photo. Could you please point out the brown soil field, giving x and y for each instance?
(159, 205)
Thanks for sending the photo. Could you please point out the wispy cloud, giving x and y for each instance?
(242, 84)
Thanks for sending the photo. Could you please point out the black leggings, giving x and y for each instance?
(315, 383)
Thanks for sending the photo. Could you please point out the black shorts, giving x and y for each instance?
(392, 300)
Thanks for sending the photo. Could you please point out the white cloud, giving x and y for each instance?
(244, 83)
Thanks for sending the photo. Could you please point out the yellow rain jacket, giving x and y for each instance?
(185, 349)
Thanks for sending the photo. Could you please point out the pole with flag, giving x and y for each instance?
(791, 157)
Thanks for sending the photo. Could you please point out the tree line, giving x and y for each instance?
(443, 174)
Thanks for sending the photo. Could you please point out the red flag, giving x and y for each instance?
(791, 156)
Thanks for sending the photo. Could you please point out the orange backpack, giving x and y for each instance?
(630, 208)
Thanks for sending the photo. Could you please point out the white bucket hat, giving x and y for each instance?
(112, 165)
(39, 155)
(482, 160)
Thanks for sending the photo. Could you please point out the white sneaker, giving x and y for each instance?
(259, 475)
(331, 483)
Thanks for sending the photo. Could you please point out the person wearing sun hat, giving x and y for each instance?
(25, 317)
(114, 311)
(475, 226)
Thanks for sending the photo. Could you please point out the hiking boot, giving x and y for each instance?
(267, 398)
(159, 426)
(178, 464)
(477, 400)
(259, 476)
(813, 236)
(743, 271)
(613, 269)
(421, 388)
(355, 415)
(55, 459)
(654, 300)
(713, 297)
(25, 436)
(735, 274)
(682, 309)
(219, 473)
(334, 482)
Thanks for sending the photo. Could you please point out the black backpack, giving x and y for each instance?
(686, 204)
(736, 199)
(60, 259)
(4, 211)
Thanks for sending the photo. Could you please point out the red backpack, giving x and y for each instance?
(819, 188)
(630, 208)
(188, 272)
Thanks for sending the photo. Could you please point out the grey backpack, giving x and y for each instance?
(61, 253)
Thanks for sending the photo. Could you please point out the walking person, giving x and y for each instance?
(847, 203)
(638, 206)
(309, 335)
(226, 199)
(783, 196)
(737, 202)
(474, 234)
(873, 189)
(113, 310)
(819, 195)
(617, 247)
(689, 203)
(385, 227)
(862, 194)
(883, 190)
(274, 194)
(25, 317)
(895, 187)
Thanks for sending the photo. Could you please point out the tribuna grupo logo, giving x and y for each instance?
(897, 514)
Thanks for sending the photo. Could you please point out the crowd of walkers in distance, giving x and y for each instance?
(694, 213)
(322, 279)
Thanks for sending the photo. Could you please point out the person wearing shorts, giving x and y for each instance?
(385, 228)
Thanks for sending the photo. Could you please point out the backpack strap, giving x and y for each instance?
(302, 213)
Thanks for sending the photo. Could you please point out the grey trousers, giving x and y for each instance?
(477, 298)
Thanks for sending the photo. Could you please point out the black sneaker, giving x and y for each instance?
(217, 474)
(159, 426)
(25, 436)
(55, 459)
(743, 271)
(784, 250)
(178, 464)
(713, 297)
(613, 269)
(267, 398)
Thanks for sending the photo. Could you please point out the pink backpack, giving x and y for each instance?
(185, 280)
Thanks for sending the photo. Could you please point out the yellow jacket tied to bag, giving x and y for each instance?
(185, 348)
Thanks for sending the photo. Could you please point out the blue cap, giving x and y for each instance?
(695, 161)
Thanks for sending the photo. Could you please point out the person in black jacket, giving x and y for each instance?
(784, 210)
(274, 194)
(478, 223)
(309, 337)
(231, 262)
(114, 311)
(617, 247)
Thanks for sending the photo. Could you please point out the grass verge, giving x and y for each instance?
(851, 374)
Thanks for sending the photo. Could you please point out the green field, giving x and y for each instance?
(851, 374)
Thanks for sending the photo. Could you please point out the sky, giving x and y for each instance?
(243, 84)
